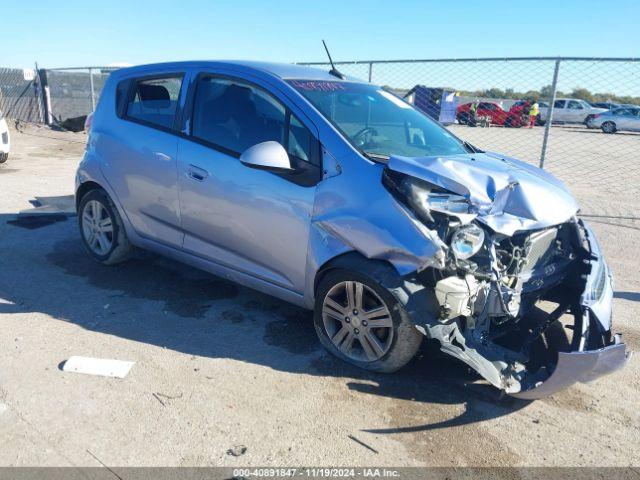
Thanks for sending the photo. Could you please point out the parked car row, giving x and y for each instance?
(611, 117)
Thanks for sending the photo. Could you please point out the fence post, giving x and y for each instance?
(46, 96)
(547, 126)
(93, 96)
(370, 71)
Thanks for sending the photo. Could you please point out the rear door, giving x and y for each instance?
(253, 221)
(626, 119)
(141, 159)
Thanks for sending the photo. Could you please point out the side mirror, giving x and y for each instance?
(267, 156)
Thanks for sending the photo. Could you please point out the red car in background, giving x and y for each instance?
(497, 115)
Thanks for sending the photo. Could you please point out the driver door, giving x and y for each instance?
(253, 221)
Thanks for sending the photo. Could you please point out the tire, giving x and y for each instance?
(587, 120)
(539, 121)
(3, 157)
(463, 119)
(399, 339)
(609, 127)
(115, 246)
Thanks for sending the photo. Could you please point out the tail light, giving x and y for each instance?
(88, 121)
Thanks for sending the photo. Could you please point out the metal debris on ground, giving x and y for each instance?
(237, 450)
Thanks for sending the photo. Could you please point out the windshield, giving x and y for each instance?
(377, 122)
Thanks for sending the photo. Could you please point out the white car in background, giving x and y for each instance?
(571, 110)
(5, 141)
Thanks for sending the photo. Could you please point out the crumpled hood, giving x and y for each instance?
(508, 195)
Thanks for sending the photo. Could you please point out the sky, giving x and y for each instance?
(74, 33)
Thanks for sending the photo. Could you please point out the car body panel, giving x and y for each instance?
(507, 194)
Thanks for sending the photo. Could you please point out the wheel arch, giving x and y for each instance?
(86, 187)
(356, 261)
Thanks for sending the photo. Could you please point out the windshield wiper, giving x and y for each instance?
(376, 156)
(471, 148)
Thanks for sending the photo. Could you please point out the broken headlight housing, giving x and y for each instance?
(429, 198)
(466, 241)
(425, 199)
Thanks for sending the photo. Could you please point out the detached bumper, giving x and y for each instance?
(587, 366)
(575, 367)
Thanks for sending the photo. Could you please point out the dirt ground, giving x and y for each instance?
(219, 367)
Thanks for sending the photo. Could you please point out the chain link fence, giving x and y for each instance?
(20, 96)
(591, 142)
(579, 95)
(74, 92)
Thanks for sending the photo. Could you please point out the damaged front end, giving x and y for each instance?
(522, 292)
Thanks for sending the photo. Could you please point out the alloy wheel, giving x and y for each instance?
(608, 127)
(97, 227)
(357, 321)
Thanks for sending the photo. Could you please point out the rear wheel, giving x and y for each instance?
(609, 127)
(463, 118)
(101, 229)
(361, 322)
(587, 121)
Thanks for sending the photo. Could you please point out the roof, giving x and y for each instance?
(282, 71)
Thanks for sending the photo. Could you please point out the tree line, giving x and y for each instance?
(545, 94)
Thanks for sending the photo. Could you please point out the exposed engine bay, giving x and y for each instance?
(528, 308)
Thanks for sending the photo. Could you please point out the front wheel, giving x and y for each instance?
(3, 157)
(361, 322)
(101, 229)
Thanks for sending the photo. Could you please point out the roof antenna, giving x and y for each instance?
(333, 70)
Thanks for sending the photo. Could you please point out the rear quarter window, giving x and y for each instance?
(155, 101)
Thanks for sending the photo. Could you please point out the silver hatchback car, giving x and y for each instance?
(617, 119)
(335, 195)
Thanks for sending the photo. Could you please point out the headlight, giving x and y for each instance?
(467, 241)
(428, 198)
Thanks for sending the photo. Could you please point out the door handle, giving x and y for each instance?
(197, 173)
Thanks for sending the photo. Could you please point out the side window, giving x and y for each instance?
(155, 101)
(575, 105)
(121, 96)
(559, 104)
(300, 141)
(235, 116)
